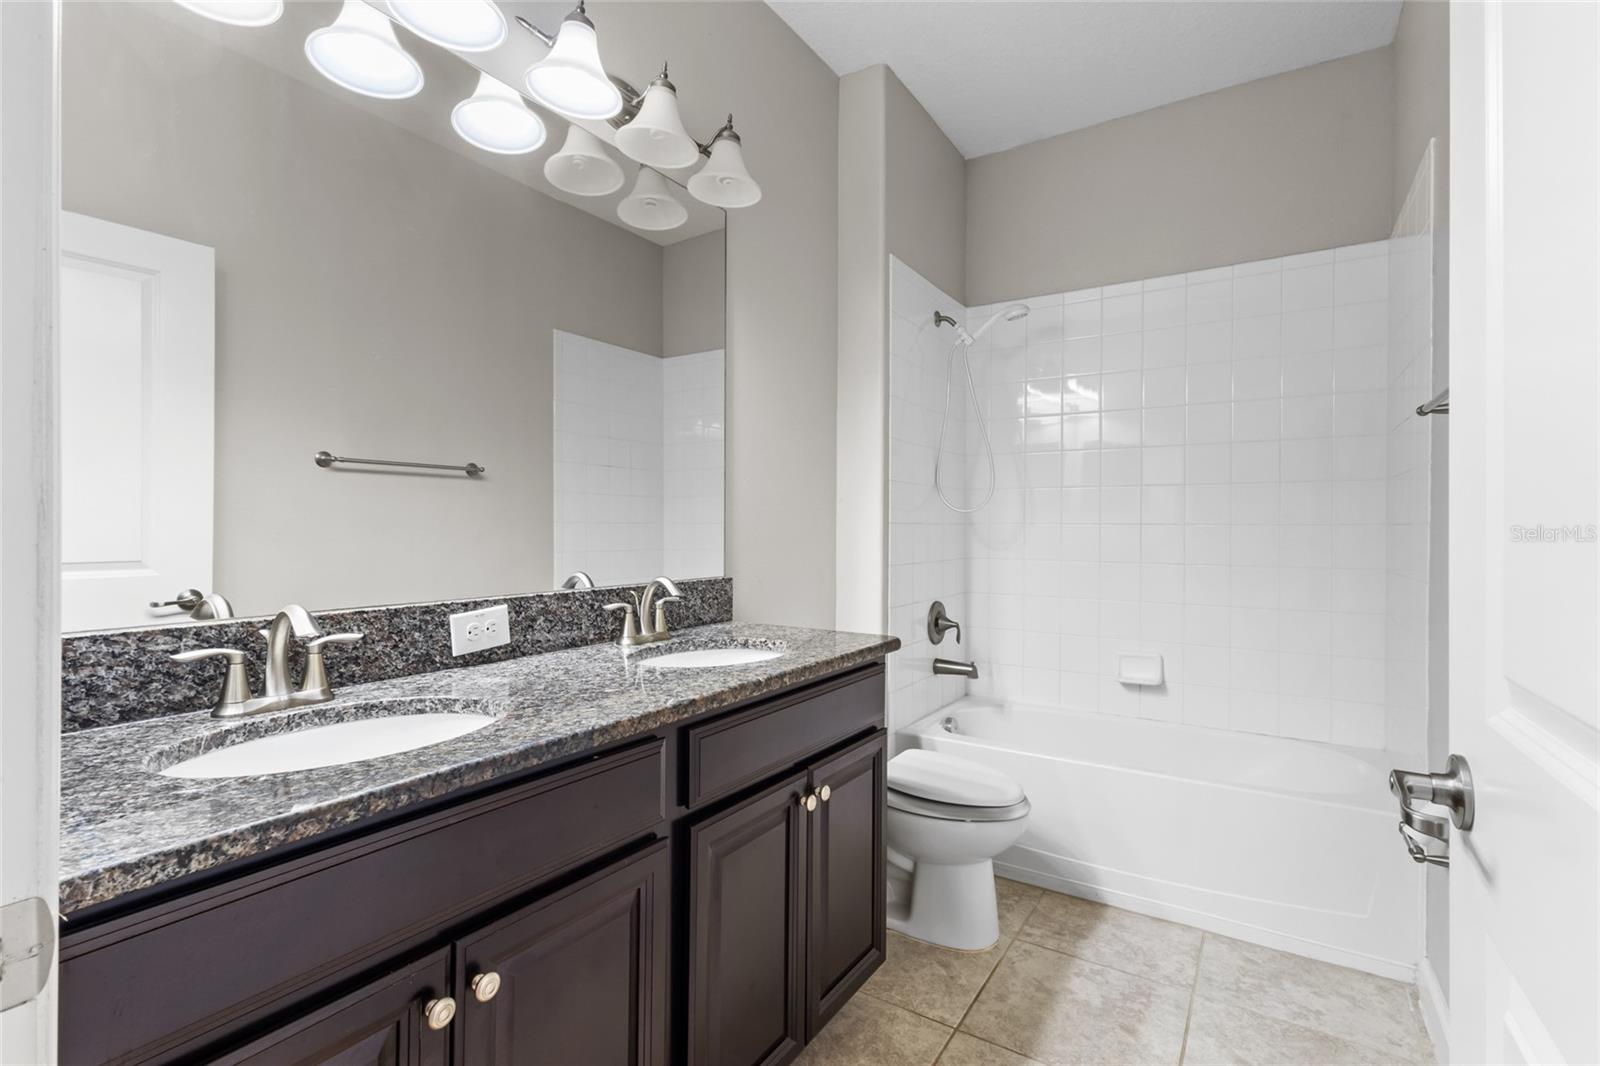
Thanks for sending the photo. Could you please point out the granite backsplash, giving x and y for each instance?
(126, 675)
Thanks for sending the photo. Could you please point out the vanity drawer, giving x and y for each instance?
(745, 746)
(244, 947)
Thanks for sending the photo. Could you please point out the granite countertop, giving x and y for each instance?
(126, 827)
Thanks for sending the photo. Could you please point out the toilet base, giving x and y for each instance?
(951, 906)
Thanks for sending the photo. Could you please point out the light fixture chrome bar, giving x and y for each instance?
(544, 38)
(327, 459)
(1439, 405)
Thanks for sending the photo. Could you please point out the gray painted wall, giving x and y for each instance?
(861, 448)
(902, 192)
(376, 295)
(1422, 110)
(694, 279)
(1289, 163)
(926, 192)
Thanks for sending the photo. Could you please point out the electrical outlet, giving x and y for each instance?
(479, 630)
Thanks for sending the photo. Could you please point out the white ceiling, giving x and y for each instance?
(998, 74)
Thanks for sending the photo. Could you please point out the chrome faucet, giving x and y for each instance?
(277, 695)
(639, 624)
(578, 579)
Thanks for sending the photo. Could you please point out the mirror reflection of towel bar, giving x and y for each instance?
(1439, 405)
(327, 459)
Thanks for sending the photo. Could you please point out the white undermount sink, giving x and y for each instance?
(329, 745)
(704, 657)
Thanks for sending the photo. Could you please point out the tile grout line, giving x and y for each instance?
(1194, 989)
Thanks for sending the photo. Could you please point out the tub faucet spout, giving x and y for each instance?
(956, 668)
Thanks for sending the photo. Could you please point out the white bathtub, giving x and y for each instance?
(1280, 842)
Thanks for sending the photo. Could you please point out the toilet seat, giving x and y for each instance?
(956, 812)
(935, 785)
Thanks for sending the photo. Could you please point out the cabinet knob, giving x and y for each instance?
(809, 801)
(485, 986)
(823, 793)
(439, 1012)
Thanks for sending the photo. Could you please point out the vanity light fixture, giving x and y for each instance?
(497, 119)
(583, 166)
(461, 25)
(724, 181)
(655, 136)
(249, 13)
(651, 205)
(359, 52)
(570, 80)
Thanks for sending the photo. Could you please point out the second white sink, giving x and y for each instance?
(704, 657)
(329, 745)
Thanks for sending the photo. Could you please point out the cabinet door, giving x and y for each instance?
(747, 891)
(846, 919)
(379, 1024)
(581, 975)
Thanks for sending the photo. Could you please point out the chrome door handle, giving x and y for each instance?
(1451, 789)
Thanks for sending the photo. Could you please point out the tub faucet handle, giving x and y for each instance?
(940, 623)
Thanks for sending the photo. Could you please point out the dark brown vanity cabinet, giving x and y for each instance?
(711, 893)
(786, 909)
(579, 977)
(382, 1023)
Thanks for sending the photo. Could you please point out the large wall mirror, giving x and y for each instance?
(259, 265)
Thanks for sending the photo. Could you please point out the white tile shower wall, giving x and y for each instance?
(692, 472)
(1410, 376)
(608, 456)
(1193, 466)
(927, 540)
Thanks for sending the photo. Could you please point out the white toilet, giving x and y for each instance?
(947, 819)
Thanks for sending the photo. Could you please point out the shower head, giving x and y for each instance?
(1010, 313)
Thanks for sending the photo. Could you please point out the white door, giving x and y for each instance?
(1524, 285)
(137, 393)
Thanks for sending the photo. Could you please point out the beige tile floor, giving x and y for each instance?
(1077, 982)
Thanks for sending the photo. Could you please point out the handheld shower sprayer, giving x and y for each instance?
(965, 341)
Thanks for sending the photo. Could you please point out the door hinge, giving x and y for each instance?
(27, 947)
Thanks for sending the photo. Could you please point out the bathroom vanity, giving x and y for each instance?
(630, 865)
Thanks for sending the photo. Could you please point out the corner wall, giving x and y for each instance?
(902, 192)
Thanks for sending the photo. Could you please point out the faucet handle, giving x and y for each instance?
(235, 683)
(315, 682)
(630, 623)
(332, 638)
(660, 626)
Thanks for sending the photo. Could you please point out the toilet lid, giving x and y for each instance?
(933, 775)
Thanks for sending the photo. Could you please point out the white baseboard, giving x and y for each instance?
(1435, 1010)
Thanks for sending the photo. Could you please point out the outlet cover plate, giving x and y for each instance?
(472, 631)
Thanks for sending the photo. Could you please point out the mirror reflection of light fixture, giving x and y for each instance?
(724, 181)
(359, 52)
(496, 119)
(570, 80)
(651, 205)
(655, 136)
(583, 166)
(237, 12)
(462, 25)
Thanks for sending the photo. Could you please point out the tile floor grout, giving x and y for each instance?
(1014, 938)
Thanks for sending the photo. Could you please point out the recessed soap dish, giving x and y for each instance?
(1139, 669)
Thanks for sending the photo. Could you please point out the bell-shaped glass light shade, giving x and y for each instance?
(655, 136)
(583, 166)
(651, 205)
(237, 12)
(360, 53)
(570, 80)
(461, 25)
(724, 181)
(496, 119)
